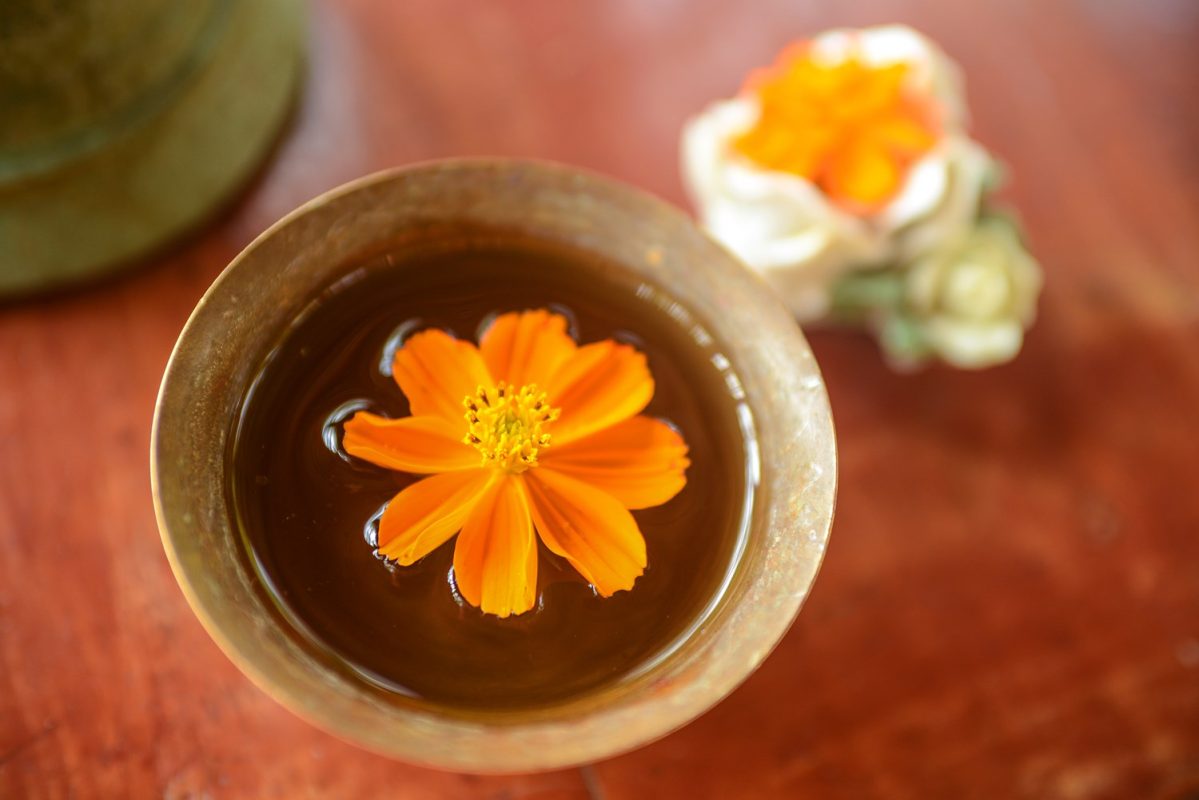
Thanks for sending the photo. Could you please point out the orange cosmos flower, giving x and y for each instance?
(850, 127)
(527, 431)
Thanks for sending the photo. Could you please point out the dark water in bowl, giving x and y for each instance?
(305, 509)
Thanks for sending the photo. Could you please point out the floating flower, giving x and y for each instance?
(528, 432)
(849, 153)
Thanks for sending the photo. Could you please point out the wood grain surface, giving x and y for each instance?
(1010, 603)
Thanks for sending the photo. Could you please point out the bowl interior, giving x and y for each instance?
(256, 298)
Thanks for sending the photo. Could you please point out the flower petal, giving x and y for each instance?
(421, 518)
(602, 384)
(587, 527)
(436, 371)
(409, 444)
(526, 347)
(495, 557)
(865, 174)
(903, 136)
(641, 461)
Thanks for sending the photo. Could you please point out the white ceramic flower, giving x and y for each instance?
(971, 302)
(850, 152)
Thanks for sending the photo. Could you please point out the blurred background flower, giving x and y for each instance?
(849, 154)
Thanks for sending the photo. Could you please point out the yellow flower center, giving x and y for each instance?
(507, 425)
(852, 128)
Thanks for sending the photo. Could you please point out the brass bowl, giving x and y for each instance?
(262, 291)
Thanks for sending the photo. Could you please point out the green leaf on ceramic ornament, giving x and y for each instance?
(860, 294)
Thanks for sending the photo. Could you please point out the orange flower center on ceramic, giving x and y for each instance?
(507, 425)
(852, 128)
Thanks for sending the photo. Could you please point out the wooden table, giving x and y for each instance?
(1010, 604)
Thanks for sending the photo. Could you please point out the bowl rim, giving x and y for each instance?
(606, 733)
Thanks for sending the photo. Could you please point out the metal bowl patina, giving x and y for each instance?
(250, 305)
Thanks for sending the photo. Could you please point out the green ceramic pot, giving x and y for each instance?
(125, 124)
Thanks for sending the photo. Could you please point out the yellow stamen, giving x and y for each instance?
(506, 425)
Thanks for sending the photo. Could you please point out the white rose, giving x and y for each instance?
(785, 227)
(972, 301)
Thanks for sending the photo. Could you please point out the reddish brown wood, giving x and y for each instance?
(1010, 605)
